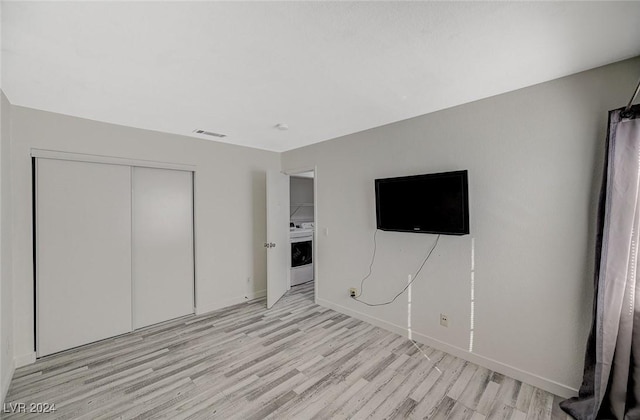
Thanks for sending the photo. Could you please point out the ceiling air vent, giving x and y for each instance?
(209, 133)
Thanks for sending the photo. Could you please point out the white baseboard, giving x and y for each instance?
(513, 372)
(6, 381)
(24, 359)
(212, 306)
(260, 294)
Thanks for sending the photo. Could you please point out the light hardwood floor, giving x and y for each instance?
(294, 361)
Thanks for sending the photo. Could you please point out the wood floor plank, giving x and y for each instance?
(462, 381)
(477, 416)
(540, 408)
(508, 392)
(353, 405)
(488, 397)
(524, 397)
(460, 412)
(500, 411)
(451, 368)
(471, 395)
(295, 361)
(328, 411)
(443, 409)
(413, 378)
(518, 415)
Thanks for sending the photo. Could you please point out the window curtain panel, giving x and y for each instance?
(611, 381)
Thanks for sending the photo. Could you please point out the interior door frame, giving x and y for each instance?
(294, 172)
(36, 153)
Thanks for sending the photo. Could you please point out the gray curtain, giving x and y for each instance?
(611, 382)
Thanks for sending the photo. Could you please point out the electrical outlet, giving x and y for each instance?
(353, 291)
(444, 320)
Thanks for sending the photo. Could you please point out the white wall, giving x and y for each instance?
(301, 199)
(6, 304)
(534, 158)
(6, 316)
(229, 205)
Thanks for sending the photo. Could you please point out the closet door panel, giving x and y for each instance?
(162, 245)
(83, 250)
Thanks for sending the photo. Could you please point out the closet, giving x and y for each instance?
(113, 250)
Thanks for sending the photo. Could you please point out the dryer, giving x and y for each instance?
(301, 239)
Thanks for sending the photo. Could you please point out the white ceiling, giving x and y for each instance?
(325, 69)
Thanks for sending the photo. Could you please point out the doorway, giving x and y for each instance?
(302, 230)
(291, 231)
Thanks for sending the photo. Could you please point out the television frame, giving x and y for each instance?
(462, 174)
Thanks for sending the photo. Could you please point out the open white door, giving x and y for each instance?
(277, 245)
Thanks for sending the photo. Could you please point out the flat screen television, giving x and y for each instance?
(430, 203)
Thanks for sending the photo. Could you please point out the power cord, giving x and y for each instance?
(408, 284)
(373, 258)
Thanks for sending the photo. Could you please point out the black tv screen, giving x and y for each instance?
(431, 203)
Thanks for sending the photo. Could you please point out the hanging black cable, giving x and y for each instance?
(356, 298)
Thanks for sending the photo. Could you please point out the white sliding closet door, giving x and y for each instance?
(162, 245)
(83, 253)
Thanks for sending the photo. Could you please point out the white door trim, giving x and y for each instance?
(293, 172)
(113, 160)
